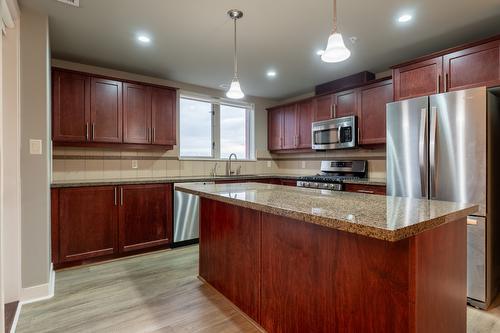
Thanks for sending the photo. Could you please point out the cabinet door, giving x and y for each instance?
(345, 104)
(87, 222)
(163, 106)
(289, 127)
(70, 106)
(372, 109)
(275, 128)
(106, 110)
(419, 79)
(145, 216)
(323, 108)
(473, 67)
(136, 113)
(304, 116)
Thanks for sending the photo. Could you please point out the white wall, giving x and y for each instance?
(11, 212)
(35, 169)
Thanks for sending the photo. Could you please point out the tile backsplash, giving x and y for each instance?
(100, 164)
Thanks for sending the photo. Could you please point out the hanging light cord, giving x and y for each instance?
(334, 16)
(235, 57)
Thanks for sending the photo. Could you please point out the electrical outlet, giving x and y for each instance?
(134, 164)
(269, 164)
(303, 164)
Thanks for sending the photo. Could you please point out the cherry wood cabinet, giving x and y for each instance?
(418, 79)
(290, 123)
(367, 189)
(467, 66)
(163, 118)
(275, 129)
(304, 119)
(87, 222)
(472, 67)
(372, 101)
(71, 106)
(144, 219)
(95, 111)
(323, 107)
(345, 104)
(136, 113)
(106, 110)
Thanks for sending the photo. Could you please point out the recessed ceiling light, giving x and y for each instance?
(404, 18)
(271, 73)
(143, 39)
(320, 52)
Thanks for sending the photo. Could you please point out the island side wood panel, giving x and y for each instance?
(231, 235)
(310, 278)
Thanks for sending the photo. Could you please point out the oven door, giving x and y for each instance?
(337, 133)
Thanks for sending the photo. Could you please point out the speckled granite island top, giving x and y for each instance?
(377, 216)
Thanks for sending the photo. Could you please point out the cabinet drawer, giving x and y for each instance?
(367, 189)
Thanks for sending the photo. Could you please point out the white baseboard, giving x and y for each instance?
(40, 292)
(16, 318)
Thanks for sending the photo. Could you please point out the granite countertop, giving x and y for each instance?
(184, 179)
(377, 216)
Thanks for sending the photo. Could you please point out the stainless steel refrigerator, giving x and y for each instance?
(443, 147)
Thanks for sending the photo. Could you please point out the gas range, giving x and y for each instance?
(333, 174)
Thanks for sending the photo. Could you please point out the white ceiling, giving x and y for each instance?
(192, 39)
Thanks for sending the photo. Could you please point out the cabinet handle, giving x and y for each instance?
(121, 196)
(148, 134)
(116, 203)
(366, 191)
(359, 135)
(298, 140)
(437, 83)
(331, 110)
(334, 110)
(93, 131)
(154, 135)
(86, 131)
(446, 82)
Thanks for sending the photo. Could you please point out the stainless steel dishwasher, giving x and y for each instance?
(186, 217)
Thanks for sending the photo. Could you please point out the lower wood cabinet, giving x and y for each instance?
(367, 189)
(144, 219)
(95, 222)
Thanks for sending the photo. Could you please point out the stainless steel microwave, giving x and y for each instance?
(338, 133)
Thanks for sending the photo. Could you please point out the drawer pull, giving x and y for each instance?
(366, 191)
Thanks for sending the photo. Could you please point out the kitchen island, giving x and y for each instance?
(305, 260)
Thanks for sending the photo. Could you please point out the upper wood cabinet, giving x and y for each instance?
(106, 110)
(372, 100)
(472, 67)
(290, 122)
(90, 110)
(304, 118)
(274, 129)
(144, 216)
(71, 106)
(345, 104)
(163, 120)
(323, 107)
(136, 113)
(463, 67)
(418, 79)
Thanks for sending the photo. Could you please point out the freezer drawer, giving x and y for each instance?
(476, 258)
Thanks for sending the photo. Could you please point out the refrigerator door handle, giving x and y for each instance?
(432, 152)
(422, 151)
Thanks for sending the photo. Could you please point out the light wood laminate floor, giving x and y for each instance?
(154, 293)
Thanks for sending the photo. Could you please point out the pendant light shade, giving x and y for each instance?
(335, 51)
(235, 91)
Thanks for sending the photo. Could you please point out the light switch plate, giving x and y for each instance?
(134, 164)
(35, 147)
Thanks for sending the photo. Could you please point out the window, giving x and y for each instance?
(212, 128)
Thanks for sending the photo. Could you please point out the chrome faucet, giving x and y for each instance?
(230, 172)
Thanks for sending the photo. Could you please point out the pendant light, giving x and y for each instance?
(234, 91)
(335, 51)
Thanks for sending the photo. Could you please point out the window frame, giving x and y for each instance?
(216, 127)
